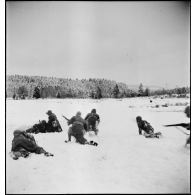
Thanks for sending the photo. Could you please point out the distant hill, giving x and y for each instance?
(64, 87)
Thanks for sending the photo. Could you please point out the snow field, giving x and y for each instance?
(123, 162)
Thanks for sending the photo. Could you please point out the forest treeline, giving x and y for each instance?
(18, 86)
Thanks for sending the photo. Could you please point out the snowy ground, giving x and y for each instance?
(123, 162)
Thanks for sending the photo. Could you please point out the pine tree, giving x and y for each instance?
(92, 94)
(14, 96)
(58, 95)
(22, 92)
(36, 93)
(98, 93)
(141, 90)
(116, 91)
(147, 92)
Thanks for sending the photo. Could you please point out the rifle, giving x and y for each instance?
(185, 125)
(66, 118)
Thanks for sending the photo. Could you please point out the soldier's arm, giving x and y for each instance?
(139, 129)
(30, 137)
(55, 117)
(27, 144)
(87, 116)
(71, 121)
(148, 127)
(98, 118)
(40, 150)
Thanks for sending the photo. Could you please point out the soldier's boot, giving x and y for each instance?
(48, 154)
(93, 143)
(69, 135)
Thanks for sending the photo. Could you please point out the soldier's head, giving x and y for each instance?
(78, 113)
(187, 111)
(138, 119)
(49, 112)
(93, 111)
(18, 132)
(43, 122)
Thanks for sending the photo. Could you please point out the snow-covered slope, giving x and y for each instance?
(123, 162)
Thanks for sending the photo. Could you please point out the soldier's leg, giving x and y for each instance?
(15, 155)
(149, 135)
(81, 140)
(188, 141)
(69, 133)
(96, 131)
(96, 128)
(30, 130)
(80, 137)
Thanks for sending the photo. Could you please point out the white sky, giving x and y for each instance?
(131, 42)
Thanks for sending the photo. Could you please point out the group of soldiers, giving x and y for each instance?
(80, 125)
(23, 143)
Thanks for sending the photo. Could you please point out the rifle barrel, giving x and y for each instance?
(185, 125)
(66, 118)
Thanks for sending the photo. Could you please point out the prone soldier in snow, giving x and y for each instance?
(53, 124)
(23, 144)
(38, 128)
(147, 128)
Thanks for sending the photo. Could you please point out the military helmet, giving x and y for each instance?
(49, 112)
(138, 118)
(93, 111)
(17, 132)
(78, 113)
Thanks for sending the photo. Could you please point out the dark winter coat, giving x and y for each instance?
(77, 120)
(145, 126)
(53, 124)
(77, 129)
(91, 119)
(22, 142)
(38, 128)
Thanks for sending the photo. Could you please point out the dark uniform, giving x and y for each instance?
(23, 144)
(38, 128)
(53, 124)
(77, 129)
(146, 127)
(92, 119)
(187, 111)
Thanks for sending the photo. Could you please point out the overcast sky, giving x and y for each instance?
(129, 42)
